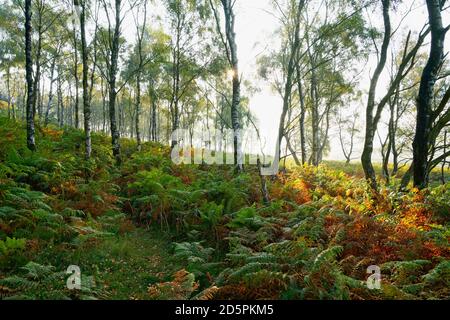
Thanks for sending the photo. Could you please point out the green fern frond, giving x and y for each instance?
(327, 256)
(252, 267)
(262, 257)
(440, 274)
(20, 283)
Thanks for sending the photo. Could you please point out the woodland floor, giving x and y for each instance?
(124, 265)
(154, 230)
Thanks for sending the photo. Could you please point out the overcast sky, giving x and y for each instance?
(255, 24)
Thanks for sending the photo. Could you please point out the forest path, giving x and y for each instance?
(124, 265)
(133, 261)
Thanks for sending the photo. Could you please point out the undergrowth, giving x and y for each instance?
(154, 230)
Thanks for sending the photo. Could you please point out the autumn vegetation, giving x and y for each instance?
(87, 176)
(154, 230)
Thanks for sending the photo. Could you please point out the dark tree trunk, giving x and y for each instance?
(421, 142)
(29, 76)
(37, 75)
(236, 96)
(366, 158)
(86, 98)
(444, 161)
(75, 73)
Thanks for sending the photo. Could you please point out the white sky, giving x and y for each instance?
(254, 28)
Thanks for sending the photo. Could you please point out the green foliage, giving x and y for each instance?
(28, 215)
(44, 282)
(155, 157)
(12, 253)
(12, 245)
(199, 259)
(246, 217)
(439, 199)
(315, 239)
(211, 215)
(154, 194)
(232, 194)
(404, 272)
(440, 275)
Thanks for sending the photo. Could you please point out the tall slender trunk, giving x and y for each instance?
(70, 107)
(366, 158)
(138, 77)
(314, 121)
(138, 111)
(29, 76)
(37, 75)
(395, 153)
(75, 73)
(386, 153)
(94, 64)
(86, 98)
(13, 100)
(154, 125)
(174, 103)
(8, 88)
(315, 146)
(60, 99)
(132, 114)
(302, 115)
(104, 90)
(40, 101)
(444, 161)
(325, 135)
(289, 81)
(236, 96)
(24, 104)
(115, 134)
(424, 123)
(50, 93)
